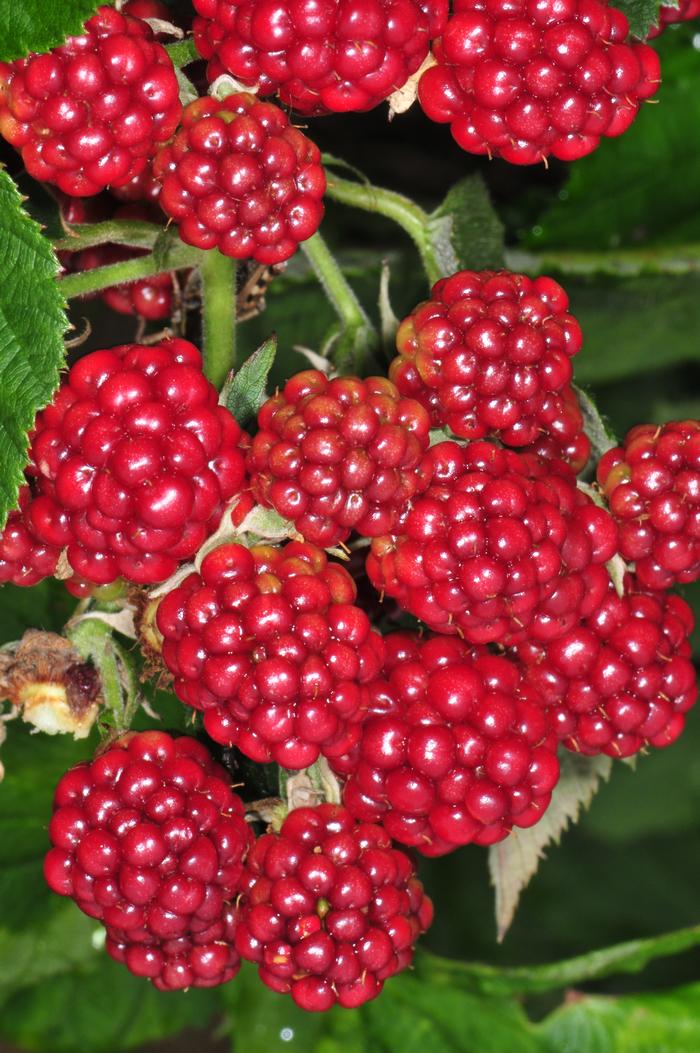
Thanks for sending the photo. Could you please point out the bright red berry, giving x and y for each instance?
(147, 9)
(24, 560)
(526, 79)
(329, 909)
(652, 483)
(496, 548)
(622, 679)
(132, 464)
(320, 57)
(686, 11)
(239, 177)
(269, 644)
(149, 839)
(338, 455)
(457, 747)
(90, 113)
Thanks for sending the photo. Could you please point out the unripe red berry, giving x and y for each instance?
(686, 11)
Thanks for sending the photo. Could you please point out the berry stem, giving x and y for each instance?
(401, 210)
(135, 234)
(85, 282)
(626, 263)
(219, 315)
(183, 52)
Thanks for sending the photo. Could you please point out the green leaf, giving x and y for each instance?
(245, 391)
(595, 425)
(38, 25)
(642, 14)
(468, 220)
(32, 324)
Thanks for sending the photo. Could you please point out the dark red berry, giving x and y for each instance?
(149, 839)
(268, 643)
(239, 177)
(498, 547)
(329, 909)
(686, 11)
(132, 464)
(90, 113)
(652, 483)
(526, 79)
(338, 455)
(320, 57)
(622, 679)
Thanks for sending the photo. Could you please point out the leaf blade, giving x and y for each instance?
(245, 391)
(35, 25)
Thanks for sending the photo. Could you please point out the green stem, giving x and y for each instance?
(401, 210)
(134, 233)
(674, 259)
(337, 289)
(133, 270)
(183, 52)
(219, 315)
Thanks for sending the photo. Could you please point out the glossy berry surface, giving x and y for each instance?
(527, 79)
(330, 910)
(239, 177)
(497, 547)
(321, 57)
(269, 644)
(24, 559)
(133, 462)
(457, 747)
(624, 678)
(490, 354)
(338, 455)
(149, 839)
(90, 113)
(652, 483)
(686, 11)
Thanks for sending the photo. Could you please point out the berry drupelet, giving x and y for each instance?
(320, 57)
(149, 839)
(24, 559)
(526, 79)
(239, 177)
(652, 483)
(329, 910)
(268, 643)
(686, 11)
(90, 113)
(133, 462)
(338, 455)
(457, 747)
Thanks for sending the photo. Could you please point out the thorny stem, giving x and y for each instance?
(219, 315)
(85, 282)
(135, 234)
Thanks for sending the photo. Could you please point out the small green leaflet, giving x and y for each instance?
(32, 325)
(643, 13)
(245, 391)
(469, 221)
(38, 25)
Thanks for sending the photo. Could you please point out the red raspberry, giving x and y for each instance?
(526, 79)
(457, 748)
(562, 435)
(24, 560)
(268, 643)
(321, 57)
(89, 114)
(686, 11)
(148, 9)
(143, 187)
(652, 483)
(497, 548)
(329, 909)
(133, 462)
(492, 352)
(239, 177)
(338, 455)
(622, 679)
(150, 839)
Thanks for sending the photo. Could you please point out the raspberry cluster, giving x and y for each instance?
(241, 178)
(686, 11)
(338, 455)
(327, 57)
(149, 839)
(329, 909)
(132, 463)
(269, 644)
(652, 483)
(457, 747)
(496, 547)
(24, 559)
(621, 679)
(88, 114)
(528, 79)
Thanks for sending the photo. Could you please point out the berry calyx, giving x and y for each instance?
(330, 910)
(149, 838)
(239, 177)
(328, 57)
(457, 747)
(497, 547)
(268, 643)
(524, 81)
(89, 114)
(338, 455)
(652, 483)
